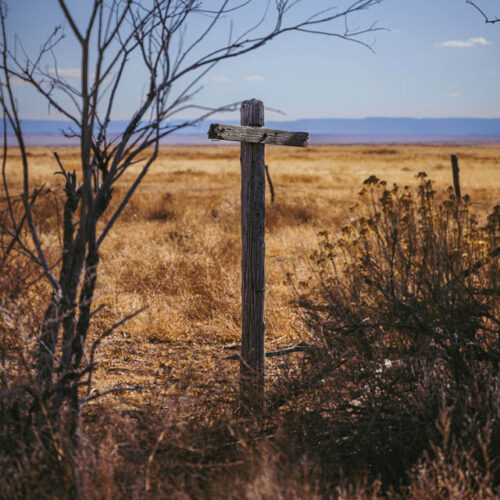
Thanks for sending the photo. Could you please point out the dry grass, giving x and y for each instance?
(176, 250)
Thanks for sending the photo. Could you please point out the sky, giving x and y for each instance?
(437, 59)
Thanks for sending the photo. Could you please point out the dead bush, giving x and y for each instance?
(405, 312)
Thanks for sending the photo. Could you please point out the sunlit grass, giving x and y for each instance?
(176, 250)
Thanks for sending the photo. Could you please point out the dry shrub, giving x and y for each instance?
(290, 213)
(452, 468)
(149, 206)
(381, 151)
(301, 178)
(405, 311)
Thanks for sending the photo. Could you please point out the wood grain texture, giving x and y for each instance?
(252, 113)
(253, 184)
(456, 176)
(256, 135)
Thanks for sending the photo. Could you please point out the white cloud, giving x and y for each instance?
(453, 95)
(466, 44)
(254, 78)
(66, 72)
(218, 79)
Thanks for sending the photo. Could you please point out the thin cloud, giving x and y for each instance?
(466, 44)
(453, 95)
(254, 78)
(66, 72)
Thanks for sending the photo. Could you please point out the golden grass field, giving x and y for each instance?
(176, 250)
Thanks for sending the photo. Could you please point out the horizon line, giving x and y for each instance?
(377, 117)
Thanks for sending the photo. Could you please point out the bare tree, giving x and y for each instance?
(487, 19)
(174, 61)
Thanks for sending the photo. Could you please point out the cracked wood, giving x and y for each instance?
(257, 135)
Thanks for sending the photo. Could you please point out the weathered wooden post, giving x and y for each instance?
(253, 212)
(253, 276)
(456, 177)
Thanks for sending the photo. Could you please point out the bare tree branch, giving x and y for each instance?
(174, 60)
(487, 19)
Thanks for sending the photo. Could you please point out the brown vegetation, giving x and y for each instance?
(176, 250)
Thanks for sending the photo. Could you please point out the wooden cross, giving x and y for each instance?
(253, 210)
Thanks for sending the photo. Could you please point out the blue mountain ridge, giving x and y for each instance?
(351, 126)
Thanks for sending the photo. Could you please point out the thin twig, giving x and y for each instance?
(302, 347)
(487, 19)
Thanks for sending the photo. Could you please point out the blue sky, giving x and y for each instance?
(439, 59)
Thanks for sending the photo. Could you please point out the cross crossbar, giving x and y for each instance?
(257, 135)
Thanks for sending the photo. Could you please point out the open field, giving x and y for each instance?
(176, 250)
